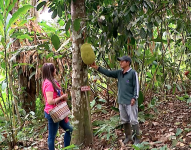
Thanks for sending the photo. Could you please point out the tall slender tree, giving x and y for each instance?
(80, 100)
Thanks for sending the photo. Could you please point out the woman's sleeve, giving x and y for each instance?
(48, 87)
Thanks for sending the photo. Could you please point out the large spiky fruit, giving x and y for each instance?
(87, 54)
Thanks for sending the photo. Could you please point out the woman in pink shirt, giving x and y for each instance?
(51, 92)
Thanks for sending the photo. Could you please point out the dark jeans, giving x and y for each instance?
(53, 128)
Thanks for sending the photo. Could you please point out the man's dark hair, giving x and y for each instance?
(129, 62)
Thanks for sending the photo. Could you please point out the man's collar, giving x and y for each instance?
(127, 70)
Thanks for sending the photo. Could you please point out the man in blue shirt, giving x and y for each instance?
(128, 92)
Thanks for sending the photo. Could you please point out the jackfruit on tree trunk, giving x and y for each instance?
(87, 54)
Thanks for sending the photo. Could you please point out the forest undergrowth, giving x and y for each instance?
(165, 124)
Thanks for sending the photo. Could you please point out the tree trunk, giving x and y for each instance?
(80, 101)
(33, 11)
(28, 95)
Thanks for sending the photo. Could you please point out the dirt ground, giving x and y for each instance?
(167, 123)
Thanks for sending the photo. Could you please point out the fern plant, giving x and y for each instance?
(107, 129)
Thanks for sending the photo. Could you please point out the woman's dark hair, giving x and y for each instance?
(47, 73)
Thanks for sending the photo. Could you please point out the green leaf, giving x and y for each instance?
(3, 41)
(3, 119)
(98, 122)
(71, 147)
(47, 27)
(150, 26)
(148, 3)
(133, 41)
(11, 7)
(44, 46)
(1, 24)
(179, 88)
(186, 96)
(54, 14)
(76, 24)
(127, 18)
(55, 41)
(22, 22)
(169, 87)
(158, 20)
(179, 26)
(102, 100)
(142, 146)
(49, 55)
(98, 106)
(2, 5)
(155, 63)
(180, 98)
(7, 2)
(104, 111)
(11, 31)
(92, 103)
(2, 54)
(103, 38)
(1, 18)
(59, 11)
(21, 11)
(58, 56)
(114, 108)
(132, 8)
(24, 36)
(32, 113)
(135, 147)
(178, 131)
(67, 26)
(61, 22)
(21, 64)
(189, 100)
(140, 98)
(40, 5)
(63, 7)
(2, 77)
(51, 9)
(159, 73)
(174, 142)
(32, 74)
(4, 85)
(156, 23)
(149, 75)
(142, 33)
(108, 136)
(153, 69)
(2, 138)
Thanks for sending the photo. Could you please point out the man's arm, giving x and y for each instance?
(106, 72)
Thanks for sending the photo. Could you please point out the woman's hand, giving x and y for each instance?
(64, 96)
(51, 101)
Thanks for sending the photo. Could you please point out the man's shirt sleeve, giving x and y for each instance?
(109, 73)
(136, 85)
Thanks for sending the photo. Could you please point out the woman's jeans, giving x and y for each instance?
(52, 131)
